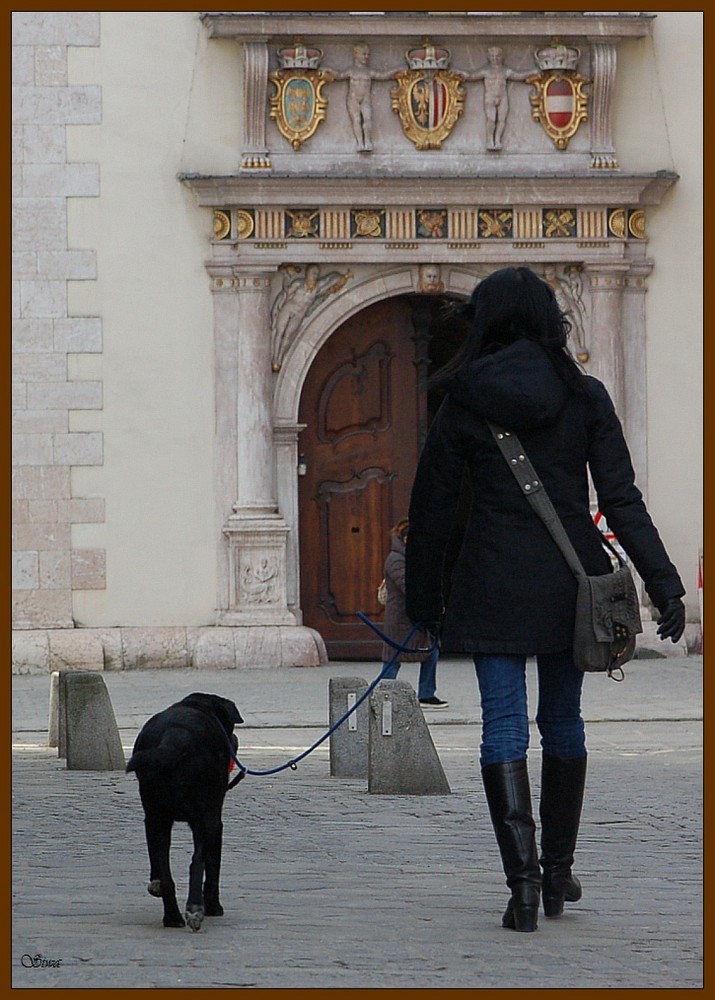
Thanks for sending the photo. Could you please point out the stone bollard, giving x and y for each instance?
(92, 737)
(402, 759)
(348, 744)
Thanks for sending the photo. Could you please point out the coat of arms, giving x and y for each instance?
(559, 103)
(298, 105)
(428, 97)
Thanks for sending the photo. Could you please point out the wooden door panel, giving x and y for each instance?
(361, 408)
(356, 398)
(351, 537)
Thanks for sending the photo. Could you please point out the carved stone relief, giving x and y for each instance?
(496, 76)
(429, 98)
(298, 297)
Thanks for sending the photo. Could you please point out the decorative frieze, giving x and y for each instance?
(527, 223)
(267, 227)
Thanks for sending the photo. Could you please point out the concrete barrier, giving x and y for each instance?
(91, 735)
(402, 759)
(348, 744)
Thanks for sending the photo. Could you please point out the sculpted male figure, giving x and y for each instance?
(496, 93)
(359, 96)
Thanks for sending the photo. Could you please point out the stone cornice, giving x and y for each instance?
(272, 26)
(599, 188)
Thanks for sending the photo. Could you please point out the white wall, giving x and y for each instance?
(159, 92)
(659, 126)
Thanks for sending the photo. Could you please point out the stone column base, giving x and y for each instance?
(257, 570)
(40, 651)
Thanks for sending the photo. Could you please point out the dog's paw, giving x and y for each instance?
(194, 917)
(213, 909)
(154, 888)
(174, 921)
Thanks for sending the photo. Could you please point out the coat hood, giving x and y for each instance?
(517, 387)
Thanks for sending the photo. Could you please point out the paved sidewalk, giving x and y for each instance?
(327, 886)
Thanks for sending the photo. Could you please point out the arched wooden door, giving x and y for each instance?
(365, 420)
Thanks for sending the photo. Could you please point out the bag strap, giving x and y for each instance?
(535, 492)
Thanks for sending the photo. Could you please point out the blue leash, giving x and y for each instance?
(294, 761)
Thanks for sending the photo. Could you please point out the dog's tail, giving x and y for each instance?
(152, 760)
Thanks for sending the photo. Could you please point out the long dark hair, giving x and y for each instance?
(510, 303)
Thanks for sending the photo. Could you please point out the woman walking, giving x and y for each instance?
(397, 625)
(513, 594)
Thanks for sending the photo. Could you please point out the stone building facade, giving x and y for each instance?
(235, 239)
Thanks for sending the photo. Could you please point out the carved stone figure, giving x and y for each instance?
(359, 96)
(569, 295)
(296, 300)
(496, 93)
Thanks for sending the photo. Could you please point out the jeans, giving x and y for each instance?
(427, 684)
(505, 718)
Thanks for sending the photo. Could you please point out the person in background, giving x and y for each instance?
(397, 625)
(512, 593)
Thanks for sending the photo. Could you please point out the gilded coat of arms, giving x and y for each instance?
(298, 105)
(428, 97)
(559, 103)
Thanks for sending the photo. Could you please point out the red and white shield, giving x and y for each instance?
(429, 100)
(559, 102)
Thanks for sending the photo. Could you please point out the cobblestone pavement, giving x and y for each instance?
(327, 886)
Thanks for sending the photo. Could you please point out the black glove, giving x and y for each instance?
(672, 619)
(431, 630)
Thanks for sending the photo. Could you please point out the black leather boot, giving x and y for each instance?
(509, 798)
(562, 785)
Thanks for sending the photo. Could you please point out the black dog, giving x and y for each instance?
(182, 758)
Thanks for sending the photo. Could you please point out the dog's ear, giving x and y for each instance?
(224, 709)
(227, 712)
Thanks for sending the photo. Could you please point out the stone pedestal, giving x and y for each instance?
(402, 759)
(88, 724)
(257, 571)
(349, 742)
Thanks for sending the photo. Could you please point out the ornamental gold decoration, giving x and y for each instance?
(617, 223)
(222, 224)
(495, 223)
(368, 222)
(244, 224)
(298, 105)
(636, 224)
(559, 103)
(428, 97)
(303, 222)
(559, 222)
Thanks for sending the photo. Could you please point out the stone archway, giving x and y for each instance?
(376, 285)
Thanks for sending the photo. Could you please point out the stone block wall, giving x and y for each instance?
(45, 447)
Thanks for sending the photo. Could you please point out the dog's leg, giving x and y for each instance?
(158, 838)
(195, 903)
(214, 840)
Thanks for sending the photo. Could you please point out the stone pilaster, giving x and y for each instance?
(606, 346)
(635, 414)
(255, 86)
(255, 531)
(225, 306)
(287, 452)
(603, 63)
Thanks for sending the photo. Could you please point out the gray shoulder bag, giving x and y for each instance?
(607, 607)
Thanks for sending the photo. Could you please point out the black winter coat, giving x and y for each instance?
(512, 591)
